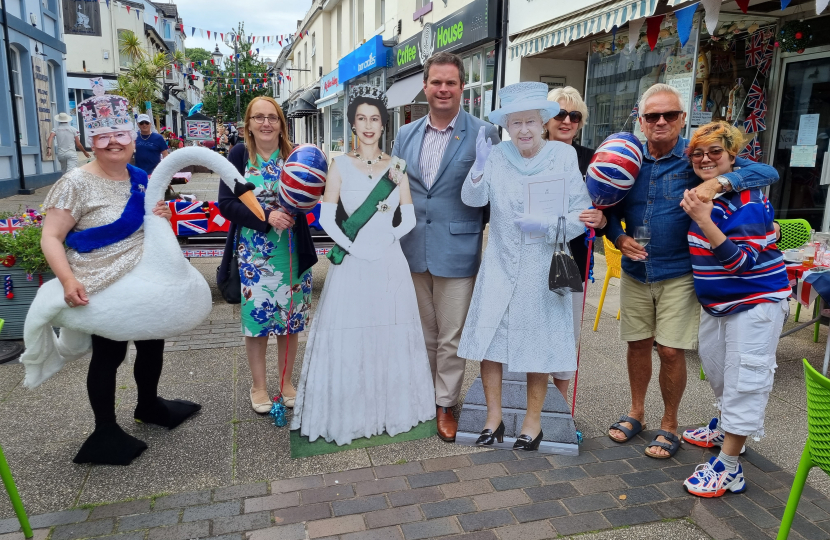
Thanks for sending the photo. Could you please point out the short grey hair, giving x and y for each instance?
(660, 88)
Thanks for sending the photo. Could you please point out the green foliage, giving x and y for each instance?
(197, 54)
(25, 246)
(142, 82)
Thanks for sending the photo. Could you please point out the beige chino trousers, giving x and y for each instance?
(443, 304)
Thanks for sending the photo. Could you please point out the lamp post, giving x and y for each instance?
(231, 40)
(217, 60)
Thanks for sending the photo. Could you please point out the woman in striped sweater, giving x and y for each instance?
(742, 284)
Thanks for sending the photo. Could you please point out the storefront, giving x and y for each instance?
(767, 73)
(331, 104)
(365, 65)
(471, 33)
(307, 120)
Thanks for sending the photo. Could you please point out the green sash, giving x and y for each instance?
(352, 225)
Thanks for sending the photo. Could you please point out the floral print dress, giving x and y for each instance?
(273, 303)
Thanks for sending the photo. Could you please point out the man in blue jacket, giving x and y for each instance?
(444, 248)
(657, 296)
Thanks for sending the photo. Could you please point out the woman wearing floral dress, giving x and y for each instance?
(275, 279)
(366, 369)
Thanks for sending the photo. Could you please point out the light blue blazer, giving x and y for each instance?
(447, 237)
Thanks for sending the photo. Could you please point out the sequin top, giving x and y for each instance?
(94, 201)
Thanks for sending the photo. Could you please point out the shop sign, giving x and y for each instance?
(82, 17)
(40, 71)
(369, 57)
(474, 23)
(330, 84)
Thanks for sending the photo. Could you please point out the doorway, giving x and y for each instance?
(801, 140)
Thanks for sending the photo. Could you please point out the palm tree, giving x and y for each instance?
(130, 46)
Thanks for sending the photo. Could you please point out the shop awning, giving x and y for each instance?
(304, 105)
(328, 100)
(597, 20)
(404, 91)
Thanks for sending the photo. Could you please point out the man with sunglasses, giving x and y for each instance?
(150, 147)
(657, 296)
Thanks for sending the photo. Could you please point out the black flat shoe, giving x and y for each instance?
(524, 442)
(488, 436)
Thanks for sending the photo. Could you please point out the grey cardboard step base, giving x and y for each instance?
(545, 447)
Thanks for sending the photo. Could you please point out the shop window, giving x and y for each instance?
(19, 100)
(479, 67)
(338, 125)
(617, 76)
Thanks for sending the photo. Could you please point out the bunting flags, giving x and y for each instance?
(754, 123)
(685, 17)
(755, 99)
(634, 32)
(752, 150)
(754, 49)
(766, 59)
(712, 9)
(743, 4)
(653, 29)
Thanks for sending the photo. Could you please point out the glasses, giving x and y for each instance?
(576, 116)
(122, 137)
(272, 119)
(144, 123)
(714, 154)
(670, 116)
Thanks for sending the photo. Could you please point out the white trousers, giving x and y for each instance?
(68, 159)
(738, 355)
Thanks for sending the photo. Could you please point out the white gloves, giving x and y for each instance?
(531, 224)
(483, 149)
(407, 221)
(327, 213)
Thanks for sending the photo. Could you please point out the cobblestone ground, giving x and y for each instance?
(227, 473)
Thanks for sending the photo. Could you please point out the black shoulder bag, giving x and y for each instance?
(564, 273)
(231, 287)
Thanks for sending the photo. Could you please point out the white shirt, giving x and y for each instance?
(432, 149)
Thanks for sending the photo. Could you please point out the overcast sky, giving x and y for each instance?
(270, 17)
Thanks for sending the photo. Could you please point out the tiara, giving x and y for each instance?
(367, 91)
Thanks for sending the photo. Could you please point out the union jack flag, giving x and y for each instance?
(754, 49)
(754, 123)
(766, 58)
(217, 223)
(10, 226)
(752, 150)
(635, 112)
(189, 219)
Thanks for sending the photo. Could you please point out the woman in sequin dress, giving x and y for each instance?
(275, 277)
(86, 198)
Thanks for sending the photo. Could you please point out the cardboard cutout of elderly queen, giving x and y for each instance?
(366, 369)
(514, 319)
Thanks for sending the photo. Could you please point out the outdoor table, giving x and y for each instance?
(810, 285)
(181, 178)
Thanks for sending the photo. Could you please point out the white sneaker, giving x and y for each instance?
(707, 436)
(712, 480)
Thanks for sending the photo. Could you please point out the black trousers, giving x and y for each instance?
(107, 355)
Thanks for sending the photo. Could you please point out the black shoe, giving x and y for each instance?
(167, 413)
(524, 442)
(110, 445)
(488, 436)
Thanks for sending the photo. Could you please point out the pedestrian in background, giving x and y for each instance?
(68, 142)
(150, 147)
(444, 248)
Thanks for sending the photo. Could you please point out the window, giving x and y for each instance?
(380, 16)
(19, 101)
(167, 33)
(338, 125)
(313, 44)
(352, 24)
(479, 69)
(299, 65)
(53, 89)
(338, 38)
(421, 3)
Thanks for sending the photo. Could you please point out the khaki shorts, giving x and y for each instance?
(667, 310)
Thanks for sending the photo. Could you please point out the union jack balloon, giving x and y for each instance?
(613, 169)
(302, 179)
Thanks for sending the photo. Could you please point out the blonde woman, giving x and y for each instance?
(270, 307)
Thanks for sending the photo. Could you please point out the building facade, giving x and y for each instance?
(36, 49)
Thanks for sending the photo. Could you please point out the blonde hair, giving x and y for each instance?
(660, 88)
(250, 143)
(573, 101)
(717, 132)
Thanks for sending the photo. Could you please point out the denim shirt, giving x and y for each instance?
(654, 200)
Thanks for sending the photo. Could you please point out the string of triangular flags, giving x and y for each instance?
(758, 51)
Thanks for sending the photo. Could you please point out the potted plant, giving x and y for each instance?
(23, 268)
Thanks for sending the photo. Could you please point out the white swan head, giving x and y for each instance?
(195, 155)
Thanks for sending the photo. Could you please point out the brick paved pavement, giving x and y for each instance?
(486, 495)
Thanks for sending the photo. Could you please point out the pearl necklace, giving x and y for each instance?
(370, 170)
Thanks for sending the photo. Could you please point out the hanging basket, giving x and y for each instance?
(14, 310)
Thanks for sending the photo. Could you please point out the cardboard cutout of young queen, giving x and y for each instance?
(366, 369)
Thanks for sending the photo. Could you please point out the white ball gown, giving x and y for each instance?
(365, 369)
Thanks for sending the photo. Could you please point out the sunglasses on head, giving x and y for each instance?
(670, 116)
(714, 154)
(576, 116)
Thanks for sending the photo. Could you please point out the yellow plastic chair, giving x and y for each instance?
(613, 260)
(817, 448)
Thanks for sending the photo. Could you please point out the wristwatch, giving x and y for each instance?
(724, 183)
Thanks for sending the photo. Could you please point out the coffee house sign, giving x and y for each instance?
(474, 23)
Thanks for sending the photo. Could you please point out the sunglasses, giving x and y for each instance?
(122, 137)
(670, 116)
(576, 116)
(714, 155)
(144, 123)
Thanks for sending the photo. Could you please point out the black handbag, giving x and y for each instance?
(564, 273)
(231, 287)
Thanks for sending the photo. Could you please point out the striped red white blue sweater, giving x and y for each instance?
(747, 269)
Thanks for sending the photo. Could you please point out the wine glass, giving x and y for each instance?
(642, 235)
